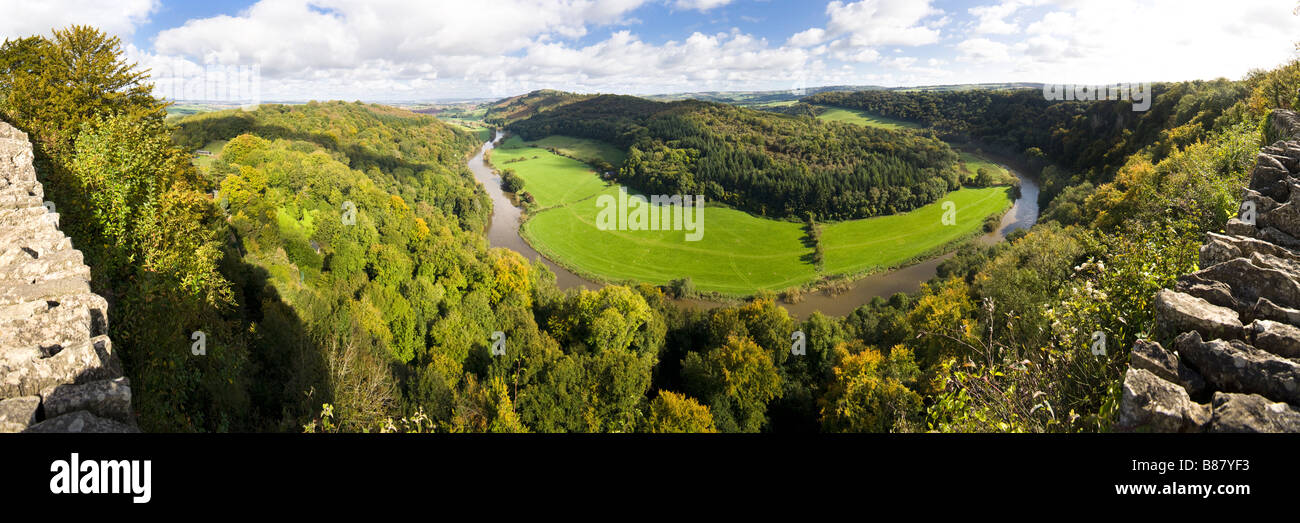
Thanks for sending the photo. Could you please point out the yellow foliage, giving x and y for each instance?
(677, 413)
(868, 394)
(421, 229)
(398, 203)
(512, 277)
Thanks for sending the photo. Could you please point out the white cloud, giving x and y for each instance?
(24, 18)
(292, 36)
(992, 19)
(808, 38)
(700, 61)
(883, 22)
(1152, 40)
(339, 48)
(700, 5)
(983, 50)
(855, 31)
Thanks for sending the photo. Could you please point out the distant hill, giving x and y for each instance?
(784, 95)
(756, 97)
(515, 108)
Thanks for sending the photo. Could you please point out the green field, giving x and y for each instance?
(785, 103)
(862, 245)
(205, 162)
(582, 148)
(973, 163)
(839, 114)
(738, 254)
(551, 179)
(475, 128)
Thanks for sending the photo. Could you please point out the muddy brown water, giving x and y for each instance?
(503, 231)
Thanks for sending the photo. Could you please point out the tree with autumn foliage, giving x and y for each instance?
(673, 412)
(871, 392)
(737, 380)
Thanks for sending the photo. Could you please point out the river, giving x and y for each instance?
(503, 231)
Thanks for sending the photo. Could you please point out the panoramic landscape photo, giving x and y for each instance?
(650, 216)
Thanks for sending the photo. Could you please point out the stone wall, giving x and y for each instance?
(1234, 360)
(58, 371)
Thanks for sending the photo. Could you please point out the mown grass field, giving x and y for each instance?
(582, 148)
(885, 241)
(839, 114)
(739, 254)
(973, 163)
(551, 179)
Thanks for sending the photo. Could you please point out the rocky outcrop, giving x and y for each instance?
(58, 371)
(1233, 364)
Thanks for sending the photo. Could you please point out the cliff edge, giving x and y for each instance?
(1233, 364)
(58, 371)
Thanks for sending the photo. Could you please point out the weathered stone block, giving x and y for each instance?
(1237, 367)
(1150, 356)
(1252, 413)
(1150, 404)
(104, 398)
(1278, 338)
(81, 421)
(1177, 313)
(16, 414)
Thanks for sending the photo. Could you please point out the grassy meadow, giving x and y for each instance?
(972, 163)
(858, 246)
(582, 148)
(839, 114)
(551, 179)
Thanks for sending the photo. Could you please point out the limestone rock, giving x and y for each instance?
(1273, 235)
(1215, 292)
(1152, 404)
(17, 414)
(1270, 178)
(1217, 251)
(1150, 356)
(1250, 282)
(104, 398)
(1284, 122)
(1248, 246)
(87, 361)
(1278, 338)
(1237, 367)
(1263, 204)
(1237, 227)
(1268, 310)
(1285, 218)
(81, 421)
(1252, 413)
(1177, 312)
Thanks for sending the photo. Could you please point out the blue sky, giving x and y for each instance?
(387, 50)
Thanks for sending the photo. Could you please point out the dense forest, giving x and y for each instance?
(406, 154)
(344, 283)
(761, 162)
(510, 110)
(1080, 140)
